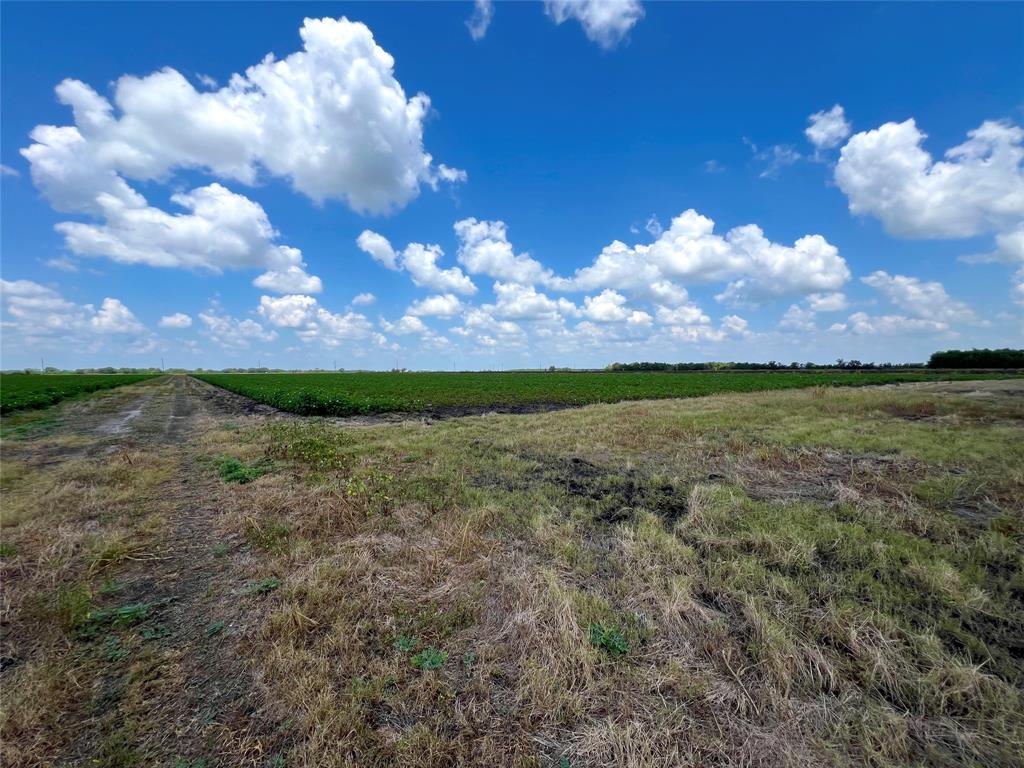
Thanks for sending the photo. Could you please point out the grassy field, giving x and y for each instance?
(829, 576)
(333, 394)
(23, 391)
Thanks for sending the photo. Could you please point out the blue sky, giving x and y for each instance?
(633, 181)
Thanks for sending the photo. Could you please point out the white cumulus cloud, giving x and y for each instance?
(442, 305)
(484, 249)
(827, 129)
(689, 251)
(312, 322)
(977, 188)
(827, 302)
(605, 22)
(419, 260)
(921, 299)
(524, 302)
(39, 315)
(177, 320)
(331, 119)
(292, 279)
(363, 300)
(796, 318)
(231, 332)
(114, 317)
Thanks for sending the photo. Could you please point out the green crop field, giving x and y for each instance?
(19, 391)
(343, 394)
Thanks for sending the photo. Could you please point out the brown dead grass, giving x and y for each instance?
(801, 579)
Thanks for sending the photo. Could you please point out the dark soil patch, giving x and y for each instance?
(615, 494)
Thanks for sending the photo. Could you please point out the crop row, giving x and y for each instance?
(344, 394)
(21, 391)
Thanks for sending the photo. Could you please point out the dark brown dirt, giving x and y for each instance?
(615, 493)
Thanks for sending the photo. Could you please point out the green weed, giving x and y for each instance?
(264, 586)
(113, 650)
(73, 602)
(231, 470)
(374, 491)
(155, 633)
(609, 639)
(405, 643)
(430, 658)
(269, 535)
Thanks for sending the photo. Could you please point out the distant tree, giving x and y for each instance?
(978, 358)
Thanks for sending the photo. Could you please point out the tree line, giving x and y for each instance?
(978, 358)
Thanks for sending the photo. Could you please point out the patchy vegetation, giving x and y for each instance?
(816, 577)
(778, 578)
(346, 394)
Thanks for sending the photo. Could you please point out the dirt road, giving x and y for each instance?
(165, 683)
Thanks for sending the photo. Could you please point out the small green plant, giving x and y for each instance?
(155, 633)
(405, 643)
(111, 587)
(184, 762)
(7, 549)
(275, 761)
(271, 535)
(430, 658)
(468, 659)
(221, 549)
(231, 470)
(113, 650)
(609, 639)
(73, 605)
(215, 629)
(374, 490)
(124, 616)
(264, 586)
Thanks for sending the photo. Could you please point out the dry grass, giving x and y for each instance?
(65, 526)
(824, 599)
(803, 578)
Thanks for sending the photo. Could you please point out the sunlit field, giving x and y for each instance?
(821, 576)
(20, 391)
(344, 394)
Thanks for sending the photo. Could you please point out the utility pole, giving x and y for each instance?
(42, 365)
(161, 363)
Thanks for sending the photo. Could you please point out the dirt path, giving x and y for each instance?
(165, 682)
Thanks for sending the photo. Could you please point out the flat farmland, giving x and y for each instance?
(826, 576)
(345, 394)
(25, 391)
